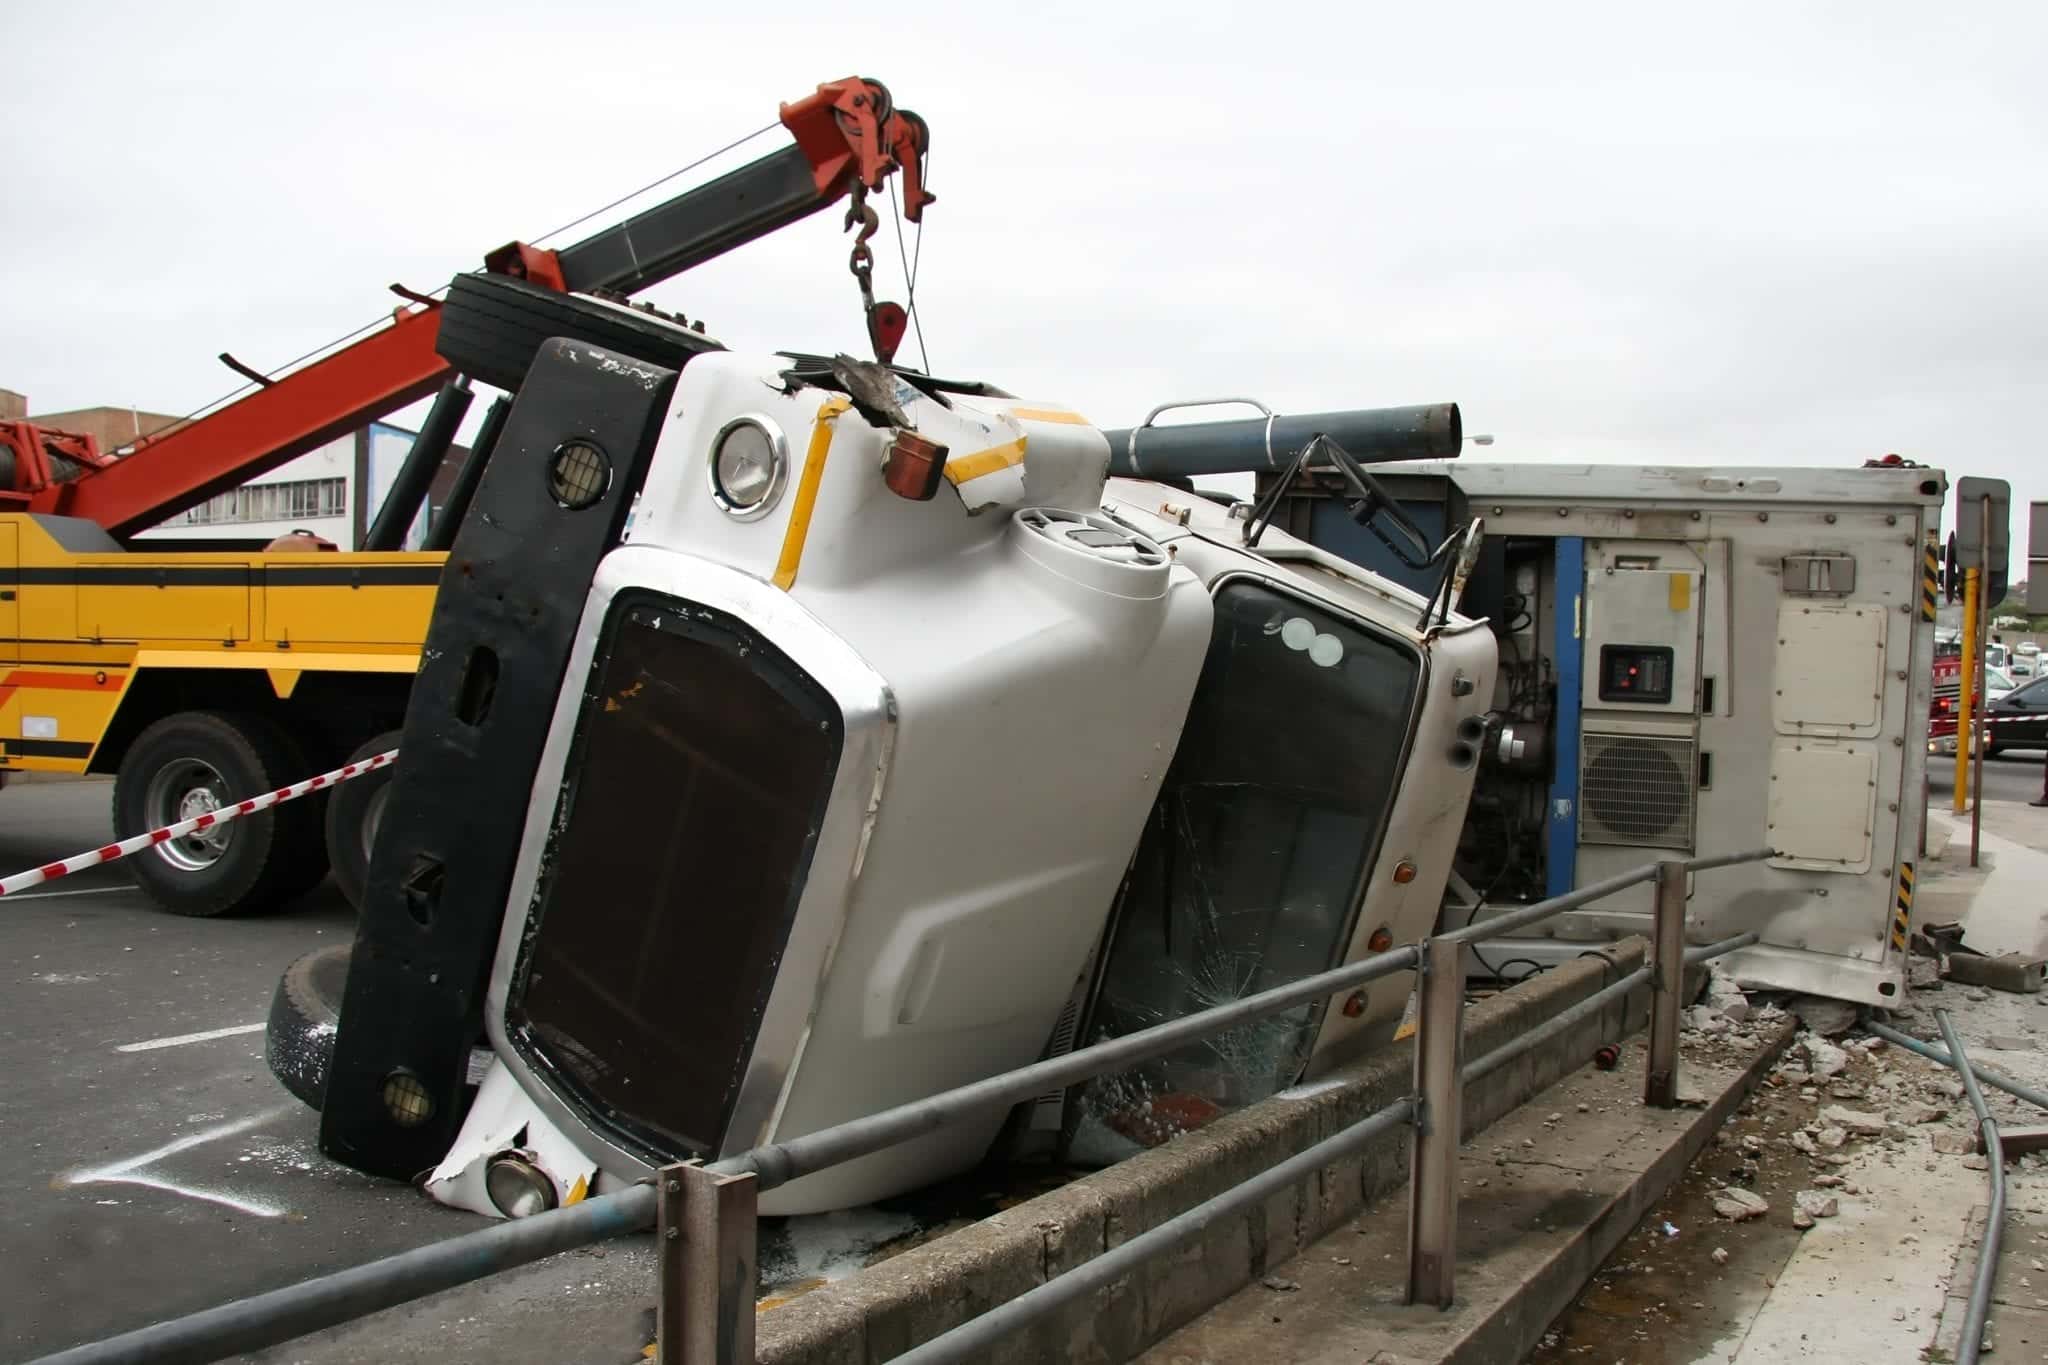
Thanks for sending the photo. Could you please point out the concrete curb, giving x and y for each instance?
(885, 1310)
(1514, 1325)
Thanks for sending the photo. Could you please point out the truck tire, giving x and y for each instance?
(202, 760)
(492, 325)
(354, 810)
(298, 1042)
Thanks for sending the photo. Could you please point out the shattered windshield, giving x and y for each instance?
(1252, 859)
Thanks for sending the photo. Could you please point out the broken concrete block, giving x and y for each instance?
(1913, 1115)
(1724, 996)
(1831, 1137)
(1720, 1255)
(1802, 1143)
(1923, 974)
(1701, 1019)
(1949, 1142)
(1828, 1018)
(2009, 1042)
(1977, 1163)
(1738, 1204)
(1801, 1219)
(1976, 996)
(1816, 1204)
(2012, 972)
(1828, 1181)
(1823, 1058)
(1854, 1121)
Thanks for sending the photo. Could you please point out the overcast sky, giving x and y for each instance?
(1769, 234)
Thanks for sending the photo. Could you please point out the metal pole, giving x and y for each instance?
(1706, 951)
(1660, 1081)
(1979, 744)
(1554, 1027)
(1932, 1053)
(975, 1338)
(706, 1234)
(1972, 1340)
(441, 529)
(781, 1162)
(416, 475)
(1966, 723)
(1433, 1169)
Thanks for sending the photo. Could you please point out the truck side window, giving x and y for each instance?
(1253, 858)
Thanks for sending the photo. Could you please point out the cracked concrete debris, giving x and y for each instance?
(1737, 1204)
(1949, 1142)
(1823, 1058)
(1706, 1019)
(1720, 1256)
(1817, 1203)
(1831, 1137)
(1853, 1121)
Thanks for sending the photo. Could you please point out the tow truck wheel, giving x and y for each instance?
(186, 765)
(354, 810)
(492, 326)
(299, 1040)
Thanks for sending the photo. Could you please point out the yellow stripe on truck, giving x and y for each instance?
(962, 468)
(806, 500)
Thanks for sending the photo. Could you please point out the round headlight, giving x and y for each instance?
(749, 464)
(517, 1187)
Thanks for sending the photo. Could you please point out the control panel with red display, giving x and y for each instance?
(1635, 673)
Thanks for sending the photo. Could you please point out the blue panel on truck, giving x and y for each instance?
(1331, 528)
(1562, 855)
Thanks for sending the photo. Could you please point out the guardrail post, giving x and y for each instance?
(1667, 987)
(1433, 1168)
(704, 1234)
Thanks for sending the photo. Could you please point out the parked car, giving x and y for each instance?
(2019, 718)
(2022, 666)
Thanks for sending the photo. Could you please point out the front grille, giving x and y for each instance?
(697, 782)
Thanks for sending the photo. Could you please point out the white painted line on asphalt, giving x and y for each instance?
(113, 888)
(184, 1038)
(125, 1172)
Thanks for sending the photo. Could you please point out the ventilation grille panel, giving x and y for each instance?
(1637, 790)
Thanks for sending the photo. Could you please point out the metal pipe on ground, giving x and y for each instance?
(1702, 952)
(267, 1319)
(781, 1162)
(415, 476)
(1971, 1343)
(973, 1338)
(1932, 1053)
(1433, 431)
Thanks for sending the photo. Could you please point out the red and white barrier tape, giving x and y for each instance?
(111, 852)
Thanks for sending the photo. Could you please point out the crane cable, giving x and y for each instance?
(379, 321)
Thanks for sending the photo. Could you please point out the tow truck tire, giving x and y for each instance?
(298, 1043)
(354, 810)
(250, 864)
(492, 326)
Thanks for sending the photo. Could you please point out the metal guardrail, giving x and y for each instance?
(705, 1216)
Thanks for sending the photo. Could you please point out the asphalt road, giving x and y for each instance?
(2015, 775)
(157, 1167)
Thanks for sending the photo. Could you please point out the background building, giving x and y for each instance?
(333, 491)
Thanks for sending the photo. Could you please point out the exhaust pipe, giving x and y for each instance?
(1267, 443)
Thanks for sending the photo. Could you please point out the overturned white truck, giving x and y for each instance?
(888, 749)
(797, 737)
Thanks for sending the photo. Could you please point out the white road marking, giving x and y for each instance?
(113, 889)
(208, 1036)
(125, 1172)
